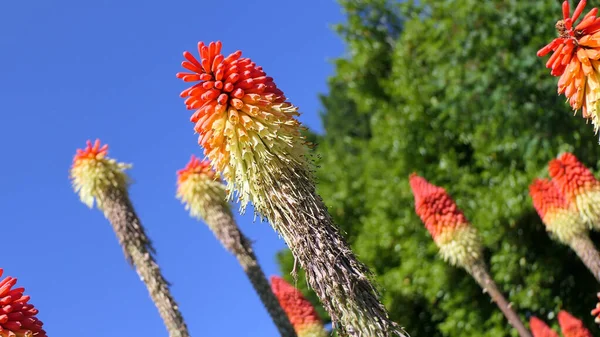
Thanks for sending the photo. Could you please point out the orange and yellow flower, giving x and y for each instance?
(17, 317)
(300, 311)
(571, 326)
(576, 59)
(457, 240)
(93, 173)
(198, 188)
(540, 329)
(560, 218)
(578, 186)
(247, 128)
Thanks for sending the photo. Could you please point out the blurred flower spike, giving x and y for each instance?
(457, 240)
(93, 173)
(578, 186)
(199, 188)
(571, 326)
(561, 219)
(301, 312)
(540, 329)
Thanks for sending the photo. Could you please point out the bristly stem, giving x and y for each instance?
(339, 279)
(587, 252)
(138, 249)
(483, 278)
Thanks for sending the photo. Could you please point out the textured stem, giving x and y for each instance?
(587, 252)
(340, 280)
(221, 222)
(480, 274)
(138, 250)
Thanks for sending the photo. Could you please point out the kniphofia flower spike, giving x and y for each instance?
(578, 186)
(250, 134)
(93, 173)
(575, 58)
(204, 195)
(571, 326)
(17, 316)
(245, 125)
(540, 329)
(301, 312)
(561, 218)
(456, 238)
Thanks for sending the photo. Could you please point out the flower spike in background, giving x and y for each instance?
(97, 178)
(571, 326)
(562, 220)
(540, 329)
(575, 58)
(204, 196)
(564, 223)
(458, 241)
(250, 133)
(17, 317)
(578, 186)
(300, 311)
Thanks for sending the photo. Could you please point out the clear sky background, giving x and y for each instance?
(73, 70)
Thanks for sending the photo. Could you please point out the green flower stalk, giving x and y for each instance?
(564, 223)
(102, 180)
(458, 241)
(250, 133)
(204, 196)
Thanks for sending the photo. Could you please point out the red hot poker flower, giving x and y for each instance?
(571, 326)
(301, 312)
(243, 120)
(195, 167)
(562, 220)
(457, 239)
(17, 317)
(540, 329)
(578, 185)
(576, 60)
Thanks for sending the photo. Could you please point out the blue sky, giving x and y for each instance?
(77, 70)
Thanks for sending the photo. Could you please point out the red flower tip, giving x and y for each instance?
(17, 317)
(571, 326)
(540, 329)
(224, 82)
(91, 151)
(571, 176)
(299, 310)
(195, 166)
(546, 197)
(435, 207)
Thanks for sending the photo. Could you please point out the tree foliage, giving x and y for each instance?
(452, 90)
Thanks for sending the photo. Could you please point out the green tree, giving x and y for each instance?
(453, 90)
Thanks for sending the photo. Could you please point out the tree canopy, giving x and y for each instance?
(452, 90)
